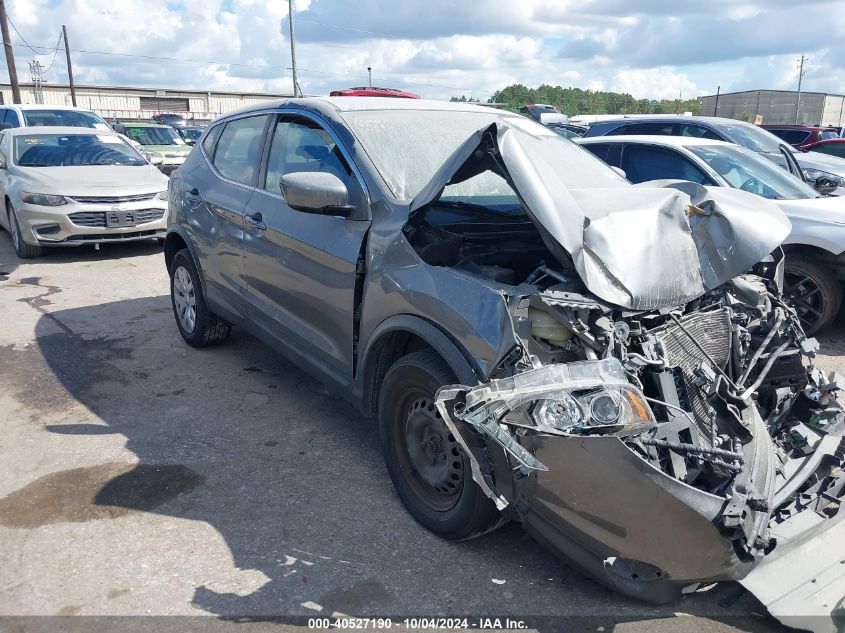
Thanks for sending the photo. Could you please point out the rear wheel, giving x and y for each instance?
(197, 324)
(429, 469)
(813, 290)
(22, 249)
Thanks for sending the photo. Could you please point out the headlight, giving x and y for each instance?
(607, 409)
(44, 200)
(161, 195)
(811, 175)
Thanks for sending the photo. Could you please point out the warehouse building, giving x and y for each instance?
(114, 102)
(777, 107)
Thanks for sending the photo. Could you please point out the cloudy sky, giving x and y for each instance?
(440, 48)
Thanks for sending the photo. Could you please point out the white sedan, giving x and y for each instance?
(68, 186)
(815, 248)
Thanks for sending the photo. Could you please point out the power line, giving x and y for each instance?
(12, 24)
(55, 52)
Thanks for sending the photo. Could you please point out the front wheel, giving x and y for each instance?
(22, 249)
(429, 469)
(197, 324)
(813, 290)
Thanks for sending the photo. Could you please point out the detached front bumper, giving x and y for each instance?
(75, 224)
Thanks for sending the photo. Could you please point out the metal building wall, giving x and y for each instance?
(777, 107)
(834, 111)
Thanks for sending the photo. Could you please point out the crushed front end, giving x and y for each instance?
(659, 450)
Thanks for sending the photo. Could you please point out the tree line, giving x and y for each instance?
(574, 101)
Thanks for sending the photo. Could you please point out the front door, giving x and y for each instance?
(301, 267)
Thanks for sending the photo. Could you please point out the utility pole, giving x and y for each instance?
(296, 91)
(69, 67)
(10, 56)
(716, 108)
(800, 78)
(370, 75)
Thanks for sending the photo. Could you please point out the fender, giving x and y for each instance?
(461, 363)
(181, 232)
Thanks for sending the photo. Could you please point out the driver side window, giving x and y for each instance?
(300, 145)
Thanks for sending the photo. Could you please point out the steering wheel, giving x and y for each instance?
(751, 185)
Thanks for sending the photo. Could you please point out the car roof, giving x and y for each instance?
(815, 128)
(348, 104)
(657, 139)
(142, 124)
(44, 106)
(673, 118)
(58, 129)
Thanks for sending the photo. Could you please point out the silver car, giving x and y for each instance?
(68, 186)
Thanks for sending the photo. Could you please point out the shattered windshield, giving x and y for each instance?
(409, 146)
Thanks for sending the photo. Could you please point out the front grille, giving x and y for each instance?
(113, 199)
(97, 219)
(712, 331)
(114, 237)
(88, 218)
(142, 216)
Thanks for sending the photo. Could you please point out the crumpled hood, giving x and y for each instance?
(633, 246)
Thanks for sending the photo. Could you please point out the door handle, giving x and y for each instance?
(256, 220)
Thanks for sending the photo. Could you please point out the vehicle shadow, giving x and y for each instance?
(66, 254)
(292, 478)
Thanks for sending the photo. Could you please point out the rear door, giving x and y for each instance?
(302, 269)
(216, 197)
(642, 163)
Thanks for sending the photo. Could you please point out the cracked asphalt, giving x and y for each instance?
(143, 477)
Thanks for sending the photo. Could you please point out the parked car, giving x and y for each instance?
(567, 130)
(832, 147)
(173, 120)
(799, 135)
(190, 133)
(373, 91)
(28, 115)
(815, 247)
(69, 186)
(160, 143)
(811, 167)
(554, 346)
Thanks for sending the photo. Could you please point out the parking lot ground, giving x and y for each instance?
(144, 477)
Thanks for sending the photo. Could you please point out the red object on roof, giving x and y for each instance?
(367, 91)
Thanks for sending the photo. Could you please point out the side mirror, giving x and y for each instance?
(620, 171)
(825, 185)
(316, 192)
(154, 158)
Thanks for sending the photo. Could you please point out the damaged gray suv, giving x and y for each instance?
(611, 365)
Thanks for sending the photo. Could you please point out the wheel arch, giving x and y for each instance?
(175, 241)
(398, 336)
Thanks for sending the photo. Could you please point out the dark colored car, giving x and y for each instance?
(190, 133)
(538, 339)
(373, 91)
(832, 147)
(817, 170)
(173, 120)
(800, 135)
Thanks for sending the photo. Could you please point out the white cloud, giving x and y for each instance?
(656, 83)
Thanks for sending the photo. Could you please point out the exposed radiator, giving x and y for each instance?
(712, 331)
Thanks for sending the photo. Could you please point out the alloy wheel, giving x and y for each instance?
(185, 299)
(803, 293)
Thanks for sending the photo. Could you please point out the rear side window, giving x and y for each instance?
(659, 129)
(11, 118)
(599, 150)
(210, 139)
(238, 152)
(698, 131)
(793, 137)
(827, 134)
(834, 149)
(643, 163)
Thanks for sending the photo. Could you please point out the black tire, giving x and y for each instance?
(405, 406)
(205, 328)
(813, 290)
(22, 249)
